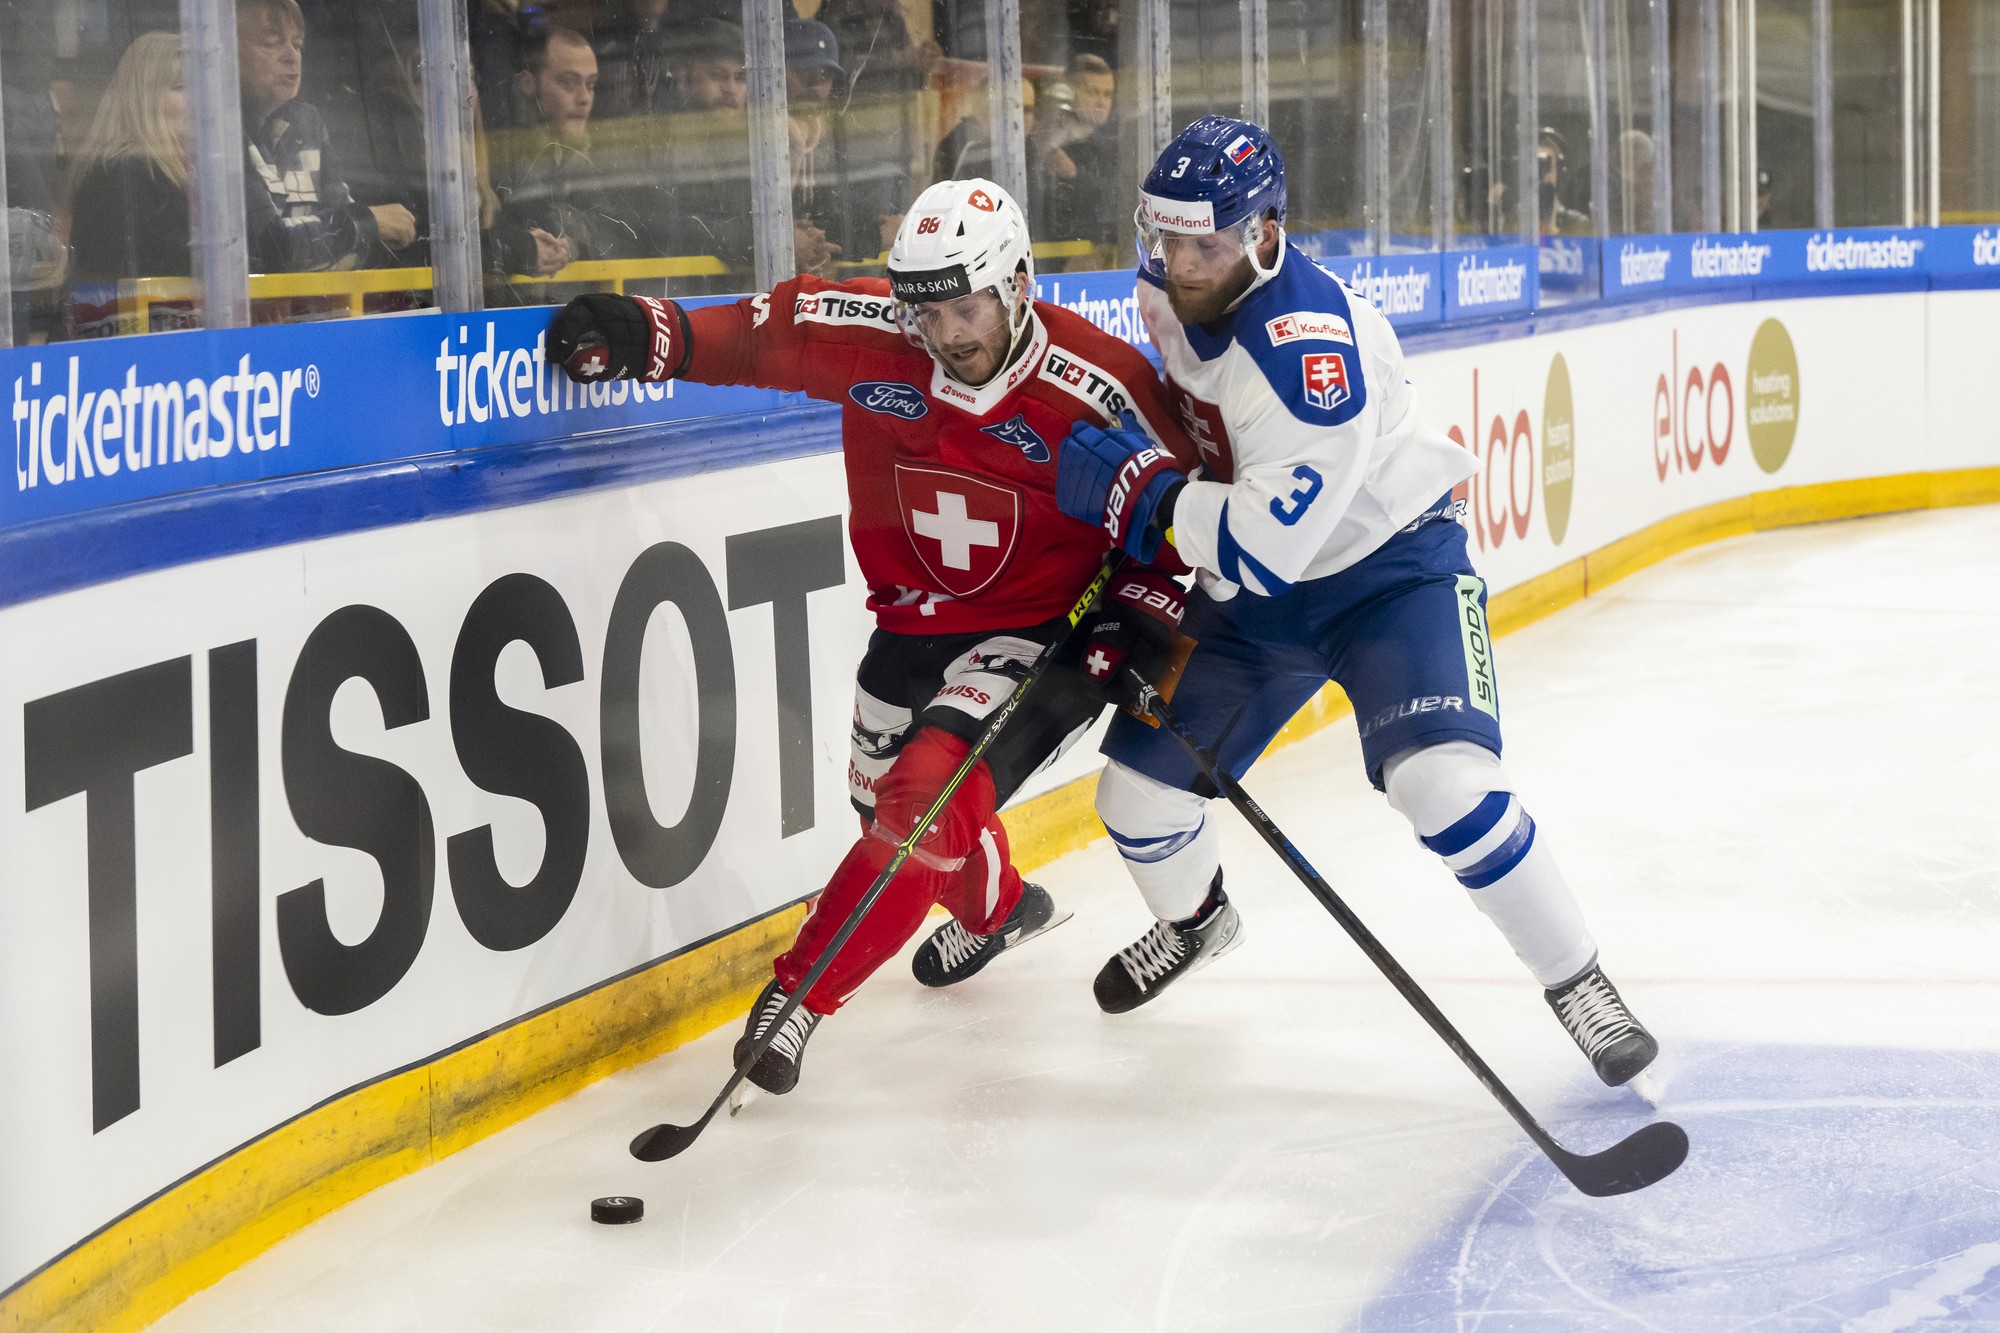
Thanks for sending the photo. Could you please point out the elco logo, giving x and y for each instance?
(1308, 324)
(1507, 448)
(1326, 379)
(1681, 438)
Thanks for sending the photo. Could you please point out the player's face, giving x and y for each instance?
(1204, 273)
(969, 334)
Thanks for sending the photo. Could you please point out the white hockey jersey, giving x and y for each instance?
(1313, 450)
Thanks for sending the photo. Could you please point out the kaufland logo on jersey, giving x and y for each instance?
(1326, 379)
(1490, 284)
(1826, 253)
(1308, 324)
(1640, 265)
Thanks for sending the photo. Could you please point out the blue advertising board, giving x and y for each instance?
(1498, 280)
(105, 421)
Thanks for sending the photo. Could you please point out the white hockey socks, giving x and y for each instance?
(1462, 806)
(1165, 837)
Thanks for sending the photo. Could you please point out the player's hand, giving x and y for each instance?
(1116, 479)
(600, 336)
(1135, 625)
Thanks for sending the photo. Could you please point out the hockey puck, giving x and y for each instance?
(617, 1209)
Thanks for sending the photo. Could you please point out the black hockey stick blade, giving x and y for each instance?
(1642, 1158)
(663, 1141)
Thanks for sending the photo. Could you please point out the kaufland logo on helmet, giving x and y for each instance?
(1240, 150)
(981, 200)
(1195, 215)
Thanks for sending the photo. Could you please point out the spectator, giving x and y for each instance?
(1635, 181)
(301, 216)
(812, 71)
(708, 153)
(635, 77)
(968, 149)
(1551, 158)
(876, 39)
(708, 68)
(543, 172)
(129, 192)
(1101, 207)
(1052, 172)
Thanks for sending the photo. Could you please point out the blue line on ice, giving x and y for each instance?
(1829, 1187)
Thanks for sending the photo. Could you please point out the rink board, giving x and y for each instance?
(390, 1016)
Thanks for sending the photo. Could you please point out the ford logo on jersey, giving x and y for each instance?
(890, 399)
(1021, 435)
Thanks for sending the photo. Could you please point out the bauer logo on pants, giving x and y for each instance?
(1483, 691)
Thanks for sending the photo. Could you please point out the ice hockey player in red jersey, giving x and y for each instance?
(956, 386)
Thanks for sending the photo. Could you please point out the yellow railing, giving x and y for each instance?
(137, 295)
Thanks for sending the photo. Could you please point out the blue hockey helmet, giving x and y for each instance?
(1218, 175)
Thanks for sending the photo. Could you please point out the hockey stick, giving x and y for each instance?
(1642, 1158)
(664, 1141)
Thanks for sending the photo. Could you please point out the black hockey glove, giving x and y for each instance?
(600, 336)
(1138, 624)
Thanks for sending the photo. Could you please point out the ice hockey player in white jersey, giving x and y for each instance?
(1323, 533)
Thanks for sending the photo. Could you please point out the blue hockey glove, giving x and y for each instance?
(1117, 480)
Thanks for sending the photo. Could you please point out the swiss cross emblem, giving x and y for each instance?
(980, 200)
(964, 529)
(1326, 379)
(1203, 423)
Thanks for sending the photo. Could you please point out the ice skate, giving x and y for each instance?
(777, 1069)
(1591, 1011)
(1167, 952)
(953, 953)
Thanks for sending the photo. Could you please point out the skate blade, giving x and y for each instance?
(746, 1093)
(1648, 1090)
(1055, 919)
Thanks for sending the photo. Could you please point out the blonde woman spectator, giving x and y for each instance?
(129, 182)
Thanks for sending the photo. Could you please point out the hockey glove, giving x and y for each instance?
(1137, 624)
(1116, 479)
(599, 336)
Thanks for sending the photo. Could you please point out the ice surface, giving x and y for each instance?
(1768, 768)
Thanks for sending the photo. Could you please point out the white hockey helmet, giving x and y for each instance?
(961, 237)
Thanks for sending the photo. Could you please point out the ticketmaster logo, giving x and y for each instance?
(1638, 266)
(1563, 258)
(503, 382)
(1825, 254)
(1986, 248)
(1711, 260)
(70, 431)
(1490, 284)
(1392, 293)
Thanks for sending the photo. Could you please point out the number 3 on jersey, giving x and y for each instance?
(1289, 509)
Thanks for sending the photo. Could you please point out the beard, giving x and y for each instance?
(1206, 305)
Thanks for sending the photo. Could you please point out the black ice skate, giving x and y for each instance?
(777, 1069)
(1167, 952)
(953, 953)
(1594, 1015)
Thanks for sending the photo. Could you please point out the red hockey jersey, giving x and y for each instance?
(952, 489)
